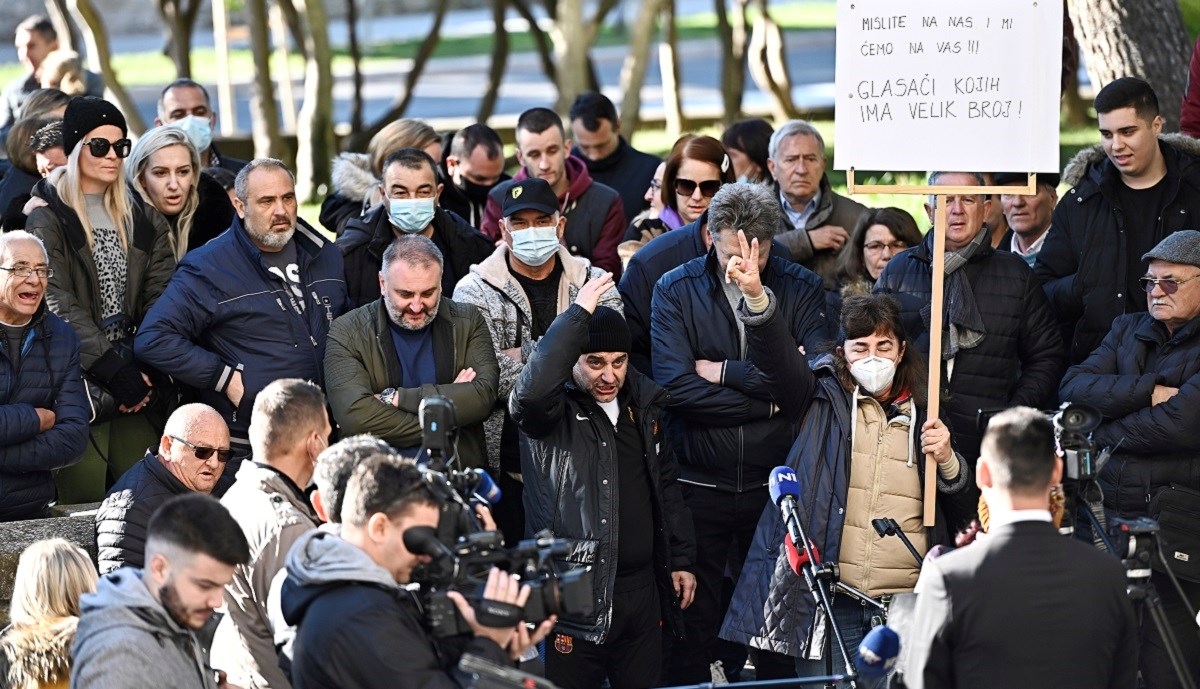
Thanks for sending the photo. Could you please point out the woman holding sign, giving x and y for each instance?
(859, 456)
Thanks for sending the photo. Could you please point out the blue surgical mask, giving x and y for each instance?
(411, 215)
(198, 130)
(535, 246)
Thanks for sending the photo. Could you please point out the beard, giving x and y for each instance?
(174, 605)
(274, 240)
(397, 316)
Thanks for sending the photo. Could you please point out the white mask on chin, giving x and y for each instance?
(873, 374)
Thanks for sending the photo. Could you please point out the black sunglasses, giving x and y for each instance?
(1167, 285)
(687, 187)
(99, 147)
(205, 453)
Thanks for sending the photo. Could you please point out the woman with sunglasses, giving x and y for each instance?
(696, 169)
(164, 167)
(111, 259)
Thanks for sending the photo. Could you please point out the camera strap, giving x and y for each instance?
(1093, 497)
(497, 615)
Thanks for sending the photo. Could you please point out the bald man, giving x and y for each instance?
(191, 457)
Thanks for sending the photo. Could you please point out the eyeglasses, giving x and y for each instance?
(26, 271)
(876, 247)
(1167, 285)
(656, 184)
(205, 453)
(687, 187)
(99, 147)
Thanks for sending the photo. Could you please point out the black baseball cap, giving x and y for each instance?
(528, 194)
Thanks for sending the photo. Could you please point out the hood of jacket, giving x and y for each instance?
(39, 654)
(1094, 159)
(352, 176)
(125, 602)
(320, 560)
(495, 271)
(578, 177)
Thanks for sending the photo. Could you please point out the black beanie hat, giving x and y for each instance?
(608, 332)
(85, 113)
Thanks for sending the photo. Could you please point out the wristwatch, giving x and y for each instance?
(388, 396)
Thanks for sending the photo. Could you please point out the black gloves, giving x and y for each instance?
(121, 377)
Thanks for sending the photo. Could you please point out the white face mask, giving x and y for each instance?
(873, 374)
(534, 246)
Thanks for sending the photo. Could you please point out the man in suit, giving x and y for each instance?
(1024, 606)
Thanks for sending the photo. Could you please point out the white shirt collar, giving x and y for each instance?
(999, 520)
(1033, 248)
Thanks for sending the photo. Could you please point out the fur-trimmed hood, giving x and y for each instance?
(39, 655)
(353, 177)
(1077, 168)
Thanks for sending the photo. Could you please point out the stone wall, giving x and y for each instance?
(76, 523)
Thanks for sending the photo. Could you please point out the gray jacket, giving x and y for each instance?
(126, 639)
(273, 513)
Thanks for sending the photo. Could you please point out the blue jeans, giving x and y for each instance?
(854, 619)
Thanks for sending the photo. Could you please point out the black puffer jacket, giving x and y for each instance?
(726, 436)
(570, 469)
(125, 513)
(1084, 263)
(364, 240)
(1160, 444)
(1020, 360)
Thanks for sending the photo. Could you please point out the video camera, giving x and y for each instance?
(463, 554)
(1073, 427)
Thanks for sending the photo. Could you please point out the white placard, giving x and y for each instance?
(948, 85)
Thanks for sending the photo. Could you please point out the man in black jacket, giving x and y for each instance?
(610, 159)
(190, 458)
(410, 206)
(724, 423)
(594, 474)
(1143, 379)
(474, 164)
(358, 627)
(1001, 346)
(1025, 607)
(1130, 192)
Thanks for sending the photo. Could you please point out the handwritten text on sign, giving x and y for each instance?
(948, 85)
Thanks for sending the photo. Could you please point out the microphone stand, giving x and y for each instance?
(816, 577)
(890, 527)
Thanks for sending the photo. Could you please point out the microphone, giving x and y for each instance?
(486, 488)
(877, 653)
(798, 558)
(782, 486)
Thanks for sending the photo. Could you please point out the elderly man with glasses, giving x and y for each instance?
(190, 457)
(1143, 380)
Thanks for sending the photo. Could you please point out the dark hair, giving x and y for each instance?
(337, 462)
(41, 101)
(409, 159)
(473, 136)
(19, 144)
(183, 82)
(851, 265)
(1019, 445)
(591, 107)
(751, 137)
(1128, 92)
(199, 524)
(41, 24)
(867, 314)
(222, 176)
(49, 136)
(692, 147)
(538, 120)
(384, 484)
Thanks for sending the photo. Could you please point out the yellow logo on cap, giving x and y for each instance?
(516, 192)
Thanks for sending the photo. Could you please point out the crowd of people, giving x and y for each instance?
(630, 345)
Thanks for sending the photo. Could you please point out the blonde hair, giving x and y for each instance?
(63, 70)
(152, 142)
(116, 200)
(52, 574)
(396, 135)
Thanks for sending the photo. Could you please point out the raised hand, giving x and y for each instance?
(743, 270)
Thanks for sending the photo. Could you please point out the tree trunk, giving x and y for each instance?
(569, 35)
(359, 140)
(356, 99)
(668, 65)
(732, 35)
(180, 19)
(69, 37)
(539, 39)
(264, 111)
(295, 25)
(1144, 39)
(633, 71)
(315, 145)
(768, 65)
(100, 61)
(487, 105)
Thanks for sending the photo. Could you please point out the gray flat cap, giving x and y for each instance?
(1181, 247)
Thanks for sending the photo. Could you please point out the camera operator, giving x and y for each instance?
(358, 627)
(1142, 378)
(1024, 606)
(594, 475)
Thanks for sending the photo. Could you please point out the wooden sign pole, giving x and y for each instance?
(935, 349)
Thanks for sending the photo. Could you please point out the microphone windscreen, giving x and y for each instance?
(798, 557)
(487, 488)
(783, 484)
(877, 652)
